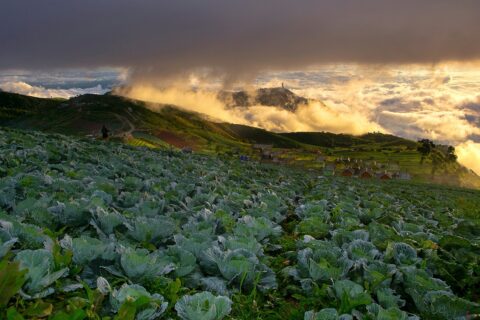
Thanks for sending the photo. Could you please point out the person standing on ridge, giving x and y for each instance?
(105, 132)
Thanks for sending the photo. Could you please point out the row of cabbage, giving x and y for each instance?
(96, 230)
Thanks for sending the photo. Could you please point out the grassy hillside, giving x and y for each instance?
(325, 139)
(94, 229)
(257, 135)
(13, 106)
(332, 140)
(85, 115)
(136, 124)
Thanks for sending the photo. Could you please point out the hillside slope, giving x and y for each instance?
(86, 114)
(14, 106)
(331, 140)
(166, 126)
(105, 229)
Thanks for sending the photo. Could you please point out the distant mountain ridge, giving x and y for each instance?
(86, 114)
(273, 97)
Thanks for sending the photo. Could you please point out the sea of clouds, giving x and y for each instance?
(60, 84)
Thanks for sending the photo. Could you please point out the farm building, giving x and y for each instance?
(347, 173)
(384, 176)
(366, 175)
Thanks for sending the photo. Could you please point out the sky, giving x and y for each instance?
(406, 67)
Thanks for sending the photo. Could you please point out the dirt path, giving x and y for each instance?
(128, 123)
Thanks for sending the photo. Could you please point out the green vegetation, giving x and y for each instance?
(85, 115)
(13, 106)
(260, 136)
(332, 140)
(102, 230)
(161, 126)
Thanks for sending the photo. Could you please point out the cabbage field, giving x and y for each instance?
(99, 230)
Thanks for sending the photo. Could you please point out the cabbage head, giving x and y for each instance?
(135, 297)
(203, 306)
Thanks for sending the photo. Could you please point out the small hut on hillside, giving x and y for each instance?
(347, 173)
(385, 176)
(365, 174)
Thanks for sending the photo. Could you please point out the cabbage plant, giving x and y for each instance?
(350, 295)
(6, 246)
(136, 298)
(258, 228)
(141, 265)
(326, 314)
(154, 230)
(242, 268)
(86, 249)
(323, 263)
(203, 306)
(41, 271)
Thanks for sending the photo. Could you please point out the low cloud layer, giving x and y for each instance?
(312, 117)
(42, 92)
(156, 38)
(469, 155)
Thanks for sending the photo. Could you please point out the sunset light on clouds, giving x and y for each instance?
(402, 67)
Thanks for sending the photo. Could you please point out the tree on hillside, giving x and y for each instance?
(425, 148)
(438, 161)
(451, 156)
(441, 159)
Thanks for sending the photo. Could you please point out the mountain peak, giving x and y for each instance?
(274, 97)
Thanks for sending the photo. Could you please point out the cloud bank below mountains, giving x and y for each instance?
(157, 38)
(440, 103)
(312, 117)
(469, 155)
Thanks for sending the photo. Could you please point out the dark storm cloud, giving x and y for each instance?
(237, 36)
